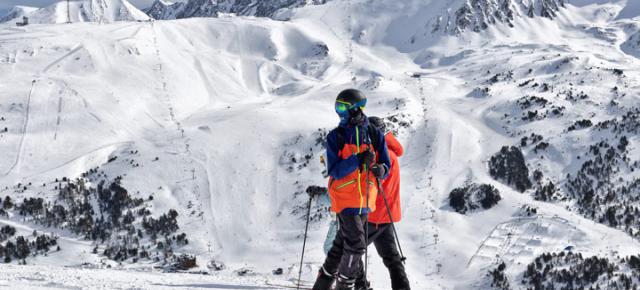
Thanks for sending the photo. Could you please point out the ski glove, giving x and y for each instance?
(366, 159)
(314, 191)
(379, 170)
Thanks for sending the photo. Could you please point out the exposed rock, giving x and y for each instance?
(213, 8)
(478, 15)
(161, 9)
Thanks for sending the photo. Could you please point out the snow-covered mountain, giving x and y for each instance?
(478, 15)
(161, 9)
(208, 8)
(15, 12)
(632, 45)
(454, 17)
(146, 145)
(103, 11)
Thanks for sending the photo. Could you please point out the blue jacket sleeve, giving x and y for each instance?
(383, 153)
(338, 167)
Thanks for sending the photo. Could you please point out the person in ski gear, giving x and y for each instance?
(357, 156)
(380, 229)
(323, 199)
(333, 226)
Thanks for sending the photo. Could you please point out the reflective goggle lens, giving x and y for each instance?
(344, 107)
(341, 108)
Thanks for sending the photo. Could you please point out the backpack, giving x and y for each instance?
(371, 132)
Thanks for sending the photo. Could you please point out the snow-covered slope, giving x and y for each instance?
(88, 11)
(222, 119)
(15, 12)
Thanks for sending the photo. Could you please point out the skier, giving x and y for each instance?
(325, 200)
(333, 227)
(357, 156)
(380, 229)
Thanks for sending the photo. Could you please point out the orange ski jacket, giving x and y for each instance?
(390, 185)
(348, 183)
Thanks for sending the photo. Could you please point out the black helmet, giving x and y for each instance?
(351, 96)
(378, 123)
(348, 100)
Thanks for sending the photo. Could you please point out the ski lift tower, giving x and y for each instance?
(68, 12)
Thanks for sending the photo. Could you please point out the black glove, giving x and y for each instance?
(314, 191)
(378, 170)
(366, 158)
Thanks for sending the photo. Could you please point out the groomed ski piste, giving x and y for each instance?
(218, 118)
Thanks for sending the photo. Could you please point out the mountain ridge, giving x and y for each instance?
(87, 11)
(15, 12)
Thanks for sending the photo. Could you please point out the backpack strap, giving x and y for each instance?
(373, 135)
(340, 132)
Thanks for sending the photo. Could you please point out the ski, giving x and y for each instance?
(302, 287)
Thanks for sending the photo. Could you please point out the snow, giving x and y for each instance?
(221, 101)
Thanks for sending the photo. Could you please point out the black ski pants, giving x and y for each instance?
(384, 240)
(350, 264)
(345, 256)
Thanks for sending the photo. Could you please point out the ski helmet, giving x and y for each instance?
(378, 123)
(349, 100)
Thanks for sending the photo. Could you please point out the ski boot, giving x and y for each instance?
(345, 283)
(362, 284)
(324, 281)
(399, 280)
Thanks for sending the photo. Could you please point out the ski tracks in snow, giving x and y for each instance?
(25, 126)
(62, 58)
(522, 238)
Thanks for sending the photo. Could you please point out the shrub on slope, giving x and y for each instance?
(473, 197)
(509, 167)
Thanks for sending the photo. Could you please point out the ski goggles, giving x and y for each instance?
(344, 107)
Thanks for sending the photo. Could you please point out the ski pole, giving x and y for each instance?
(366, 230)
(393, 227)
(304, 243)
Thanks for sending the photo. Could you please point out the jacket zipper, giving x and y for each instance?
(346, 183)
